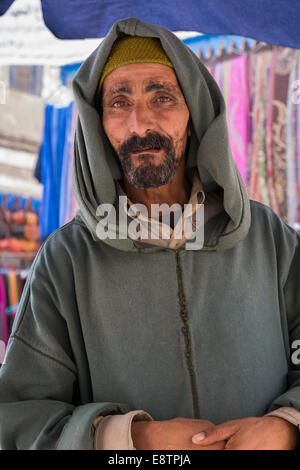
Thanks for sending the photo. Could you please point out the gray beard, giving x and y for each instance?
(148, 175)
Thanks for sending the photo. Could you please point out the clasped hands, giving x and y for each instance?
(265, 433)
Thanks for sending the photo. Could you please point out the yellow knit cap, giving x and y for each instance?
(131, 50)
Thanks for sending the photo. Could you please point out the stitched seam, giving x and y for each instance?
(187, 337)
(42, 353)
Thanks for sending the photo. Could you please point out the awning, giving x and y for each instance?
(273, 21)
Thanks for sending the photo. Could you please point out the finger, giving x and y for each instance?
(215, 433)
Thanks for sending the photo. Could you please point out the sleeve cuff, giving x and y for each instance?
(113, 432)
(288, 413)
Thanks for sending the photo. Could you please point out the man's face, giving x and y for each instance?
(145, 118)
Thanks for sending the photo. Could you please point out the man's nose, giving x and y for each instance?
(140, 120)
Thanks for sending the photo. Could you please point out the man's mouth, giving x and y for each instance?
(150, 150)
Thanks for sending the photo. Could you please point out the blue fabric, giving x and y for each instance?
(4, 5)
(38, 168)
(68, 71)
(10, 198)
(51, 158)
(65, 194)
(272, 21)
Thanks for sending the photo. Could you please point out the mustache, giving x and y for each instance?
(153, 141)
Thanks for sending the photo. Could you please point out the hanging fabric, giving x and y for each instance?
(51, 155)
(264, 124)
(68, 204)
(12, 283)
(4, 328)
(232, 79)
(53, 168)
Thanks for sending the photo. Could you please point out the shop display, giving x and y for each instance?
(11, 286)
(19, 228)
(264, 124)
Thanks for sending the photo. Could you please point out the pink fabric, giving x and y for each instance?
(238, 112)
(269, 135)
(3, 316)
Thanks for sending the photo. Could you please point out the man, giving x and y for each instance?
(142, 343)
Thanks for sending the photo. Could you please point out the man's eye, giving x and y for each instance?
(118, 104)
(163, 99)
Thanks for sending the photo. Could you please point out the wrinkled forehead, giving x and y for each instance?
(145, 76)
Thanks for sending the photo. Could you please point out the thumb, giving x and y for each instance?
(214, 434)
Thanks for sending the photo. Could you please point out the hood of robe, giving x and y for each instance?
(96, 165)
